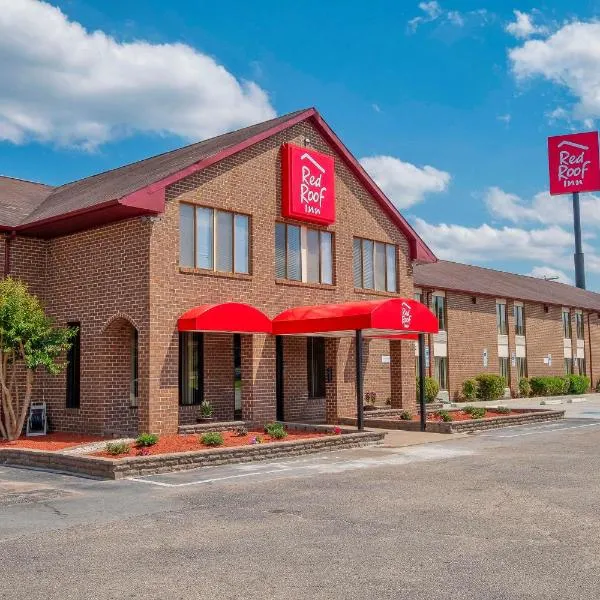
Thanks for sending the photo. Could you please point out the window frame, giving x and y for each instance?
(214, 213)
(568, 363)
(441, 326)
(375, 243)
(316, 376)
(519, 329)
(198, 394)
(501, 318)
(442, 360)
(579, 325)
(73, 370)
(303, 252)
(504, 360)
(521, 366)
(566, 323)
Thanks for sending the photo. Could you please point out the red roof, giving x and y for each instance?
(139, 188)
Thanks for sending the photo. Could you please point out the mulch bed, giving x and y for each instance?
(459, 415)
(170, 444)
(52, 442)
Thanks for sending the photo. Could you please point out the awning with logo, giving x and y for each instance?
(229, 317)
(375, 318)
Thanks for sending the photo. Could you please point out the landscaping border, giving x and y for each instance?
(530, 415)
(107, 468)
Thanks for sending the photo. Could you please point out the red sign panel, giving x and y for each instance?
(308, 185)
(574, 163)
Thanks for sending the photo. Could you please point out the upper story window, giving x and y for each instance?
(519, 319)
(579, 327)
(501, 318)
(213, 239)
(374, 265)
(418, 296)
(439, 310)
(566, 319)
(303, 254)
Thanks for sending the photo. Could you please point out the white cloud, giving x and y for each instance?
(404, 183)
(433, 11)
(506, 119)
(523, 26)
(63, 84)
(543, 272)
(543, 208)
(486, 243)
(569, 57)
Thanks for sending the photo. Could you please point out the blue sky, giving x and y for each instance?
(448, 104)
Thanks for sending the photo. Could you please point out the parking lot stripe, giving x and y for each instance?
(547, 430)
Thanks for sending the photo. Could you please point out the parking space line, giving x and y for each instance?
(547, 426)
(546, 431)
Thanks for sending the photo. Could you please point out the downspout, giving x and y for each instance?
(589, 329)
(7, 244)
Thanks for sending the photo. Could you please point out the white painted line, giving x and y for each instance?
(548, 402)
(576, 400)
(549, 430)
(547, 425)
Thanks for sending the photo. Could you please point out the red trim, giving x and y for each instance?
(403, 315)
(230, 317)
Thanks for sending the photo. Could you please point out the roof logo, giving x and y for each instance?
(313, 161)
(568, 143)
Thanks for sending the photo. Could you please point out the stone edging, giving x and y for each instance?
(528, 416)
(106, 468)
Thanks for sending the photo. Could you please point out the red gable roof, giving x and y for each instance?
(139, 188)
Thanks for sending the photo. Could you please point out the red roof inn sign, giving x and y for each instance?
(574, 163)
(308, 185)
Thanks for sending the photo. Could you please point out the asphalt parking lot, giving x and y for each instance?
(511, 513)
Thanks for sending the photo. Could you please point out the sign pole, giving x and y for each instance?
(579, 263)
(422, 405)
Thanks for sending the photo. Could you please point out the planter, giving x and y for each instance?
(204, 419)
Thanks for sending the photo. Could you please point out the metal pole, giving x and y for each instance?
(360, 417)
(579, 265)
(422, 381)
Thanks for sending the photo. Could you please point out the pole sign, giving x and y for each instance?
(427, 357)
(574, 163)
(308, 185)
(484, 357)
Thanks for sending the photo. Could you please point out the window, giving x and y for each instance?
(74, 369)
(418, 296)
(504, 368)
(581, 366)
(521, 367)
(374, 265)
(191, 368)
(303, 254)
(315, 359)
(568, 366)
(213, 239)
(579, 327)
(566, 319)
(441, 371)
(134, 387)
(439, 310)
(519, 319)
(501, 318)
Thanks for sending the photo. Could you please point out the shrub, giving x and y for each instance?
(578, 384)
(469, 389)
(524, 387)
(444, 415)
(116, 448)
(490, 386)
(212, 438)
(206, 409)
(503, 410)
(476, 412)
(146, 439)
(241, 431)
(432, 388)
(549, 386)
(406, 415)
(275, 430)
(371, 398)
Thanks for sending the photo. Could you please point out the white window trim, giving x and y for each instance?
(439, 293)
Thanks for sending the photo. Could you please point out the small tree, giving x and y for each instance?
(28, 340)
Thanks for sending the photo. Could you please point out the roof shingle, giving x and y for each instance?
(18, 198)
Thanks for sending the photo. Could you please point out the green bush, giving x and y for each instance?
(503, 410)
(116, 448)
(206, 409)
(275, 430)
(406, 415)
(444, 415)
(432, 388)
(524, 387)
(490, 386)
(146, 439)
(550, 386)
(469, 389)
(578, 384)
(212, 438)
(476, 412)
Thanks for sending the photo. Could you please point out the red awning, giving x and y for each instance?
(230, 317)
(376, 318)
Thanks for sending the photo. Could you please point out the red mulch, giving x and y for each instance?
(459, 415)
(52, 441)
(170, 444)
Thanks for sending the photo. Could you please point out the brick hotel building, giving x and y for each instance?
(147, 260)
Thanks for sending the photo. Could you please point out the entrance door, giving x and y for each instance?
(279, 378)
(237, 375)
